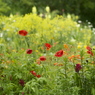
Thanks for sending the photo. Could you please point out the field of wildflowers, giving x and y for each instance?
(46, 56)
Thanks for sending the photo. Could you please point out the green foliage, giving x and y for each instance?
(84, 8)
(87, 11)
(4, 8)
(19, 6)
(56, 75)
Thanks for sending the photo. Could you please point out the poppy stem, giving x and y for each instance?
(65, 67)
(26, 42)
(65, 71)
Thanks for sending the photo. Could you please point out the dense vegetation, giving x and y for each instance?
(44, 51)
(85, 9)
(46, 56)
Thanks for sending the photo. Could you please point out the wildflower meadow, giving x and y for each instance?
(46, 55)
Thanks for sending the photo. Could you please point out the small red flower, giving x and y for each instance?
(88, 48)
(90, 52)
(29, 51)
(38, 76)
(42, 58)
(21, 82)
(48, 46)
(23, 32)
(59, 53)
(78, 67)
(33, 73)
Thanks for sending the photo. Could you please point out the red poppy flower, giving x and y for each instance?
(78, 67)
(59, 53)
(23, 32)
(28, 51)
(42, 58)
(38, 76)
(88, 48)
(33, 73)
(21, 82)
(90, 52)
(48, 46)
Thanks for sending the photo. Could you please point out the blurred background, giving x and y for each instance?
(84, 9)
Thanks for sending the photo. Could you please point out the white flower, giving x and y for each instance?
(8, 39)
(73, 40)
(79, 21)
(89, 22)
(78, 25)
(1, 34)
